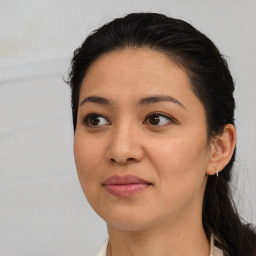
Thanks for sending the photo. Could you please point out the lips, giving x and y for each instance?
(124, 186)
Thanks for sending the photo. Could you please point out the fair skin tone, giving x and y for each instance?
(147, 122)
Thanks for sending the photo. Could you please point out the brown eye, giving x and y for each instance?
(158, 119)
(154, 119)
(95, 120)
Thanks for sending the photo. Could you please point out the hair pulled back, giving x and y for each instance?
(211, 82)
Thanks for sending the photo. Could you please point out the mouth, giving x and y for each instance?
(124, 186)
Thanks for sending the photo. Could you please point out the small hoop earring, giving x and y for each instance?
(217, 173)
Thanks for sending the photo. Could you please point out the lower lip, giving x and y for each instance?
(124, 190)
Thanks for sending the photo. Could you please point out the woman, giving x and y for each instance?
(153, 115)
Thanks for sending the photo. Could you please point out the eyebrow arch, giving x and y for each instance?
(141, 102)
(95, 99)
(156, 99)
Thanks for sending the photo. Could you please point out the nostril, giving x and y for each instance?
(122, 161)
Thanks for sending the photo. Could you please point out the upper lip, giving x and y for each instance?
(124, 180)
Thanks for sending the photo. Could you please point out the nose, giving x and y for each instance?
(125, 146)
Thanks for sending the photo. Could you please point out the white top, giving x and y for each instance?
(103, 250)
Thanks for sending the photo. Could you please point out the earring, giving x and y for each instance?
(217, 173)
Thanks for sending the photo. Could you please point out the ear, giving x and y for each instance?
(222, 147)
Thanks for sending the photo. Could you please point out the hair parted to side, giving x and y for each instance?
(211, 82)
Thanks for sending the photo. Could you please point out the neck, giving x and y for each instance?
(166, 238)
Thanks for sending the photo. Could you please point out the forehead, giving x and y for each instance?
(134, 73)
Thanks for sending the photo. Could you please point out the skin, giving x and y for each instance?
(174, 155)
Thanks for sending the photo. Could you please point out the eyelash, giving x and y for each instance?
(171, 119)
(87, 123)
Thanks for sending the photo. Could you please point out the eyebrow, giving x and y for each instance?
(95, 99)
(141, 102)
(160, 98)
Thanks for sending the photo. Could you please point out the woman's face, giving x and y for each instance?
(141, 147)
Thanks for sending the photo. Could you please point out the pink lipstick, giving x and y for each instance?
(124, 186)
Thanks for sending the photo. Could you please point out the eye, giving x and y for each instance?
(158, 119)
(95, 120)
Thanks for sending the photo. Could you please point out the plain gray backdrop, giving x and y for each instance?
(42, 208)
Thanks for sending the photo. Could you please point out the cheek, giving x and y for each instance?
(181, 177)
(88, 158)
(178, 155)
(180, 165)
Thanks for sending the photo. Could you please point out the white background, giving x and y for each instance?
(42, 207)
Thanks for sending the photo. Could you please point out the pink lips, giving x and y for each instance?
(125, 185)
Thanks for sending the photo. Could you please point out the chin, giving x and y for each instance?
(127, 226)
(127, 221)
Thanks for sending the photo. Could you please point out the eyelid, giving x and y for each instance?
(172, 119)
(86, 118)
